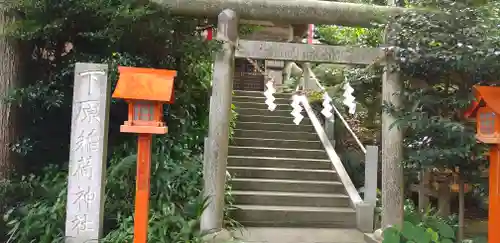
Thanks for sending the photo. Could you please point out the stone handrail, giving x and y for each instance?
(353, 194)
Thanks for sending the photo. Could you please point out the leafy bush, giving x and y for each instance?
(424, 227)
(176, 203)
(419, 233)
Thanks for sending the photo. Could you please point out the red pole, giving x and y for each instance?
(141, 215)
(494, 200)
(310, 34)
(210, 33)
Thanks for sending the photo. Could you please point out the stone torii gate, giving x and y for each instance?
(232, 12)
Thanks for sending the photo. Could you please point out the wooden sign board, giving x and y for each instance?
(87, 159)
(308, 53)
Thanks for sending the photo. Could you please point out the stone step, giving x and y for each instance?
(261, 99)
(298, 235)
(275, 127)
(260, 94)
(282, 173)
(261, 105)
(265, 112)
(278, 152)
(276, 143)
(290, 199)
(290, 163)
(292, 216)
(304, 136)
(281, 185)
(272, 119)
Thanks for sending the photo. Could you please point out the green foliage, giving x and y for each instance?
(59, 33)
(442, 57)
(419, 227)
(418, 234)
(120, 32)
(339, 35)
(425, 227)
(175, 205)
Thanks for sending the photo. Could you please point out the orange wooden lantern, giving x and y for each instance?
(486, 110)
(145, 90)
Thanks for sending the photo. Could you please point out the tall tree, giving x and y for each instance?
(8, 80)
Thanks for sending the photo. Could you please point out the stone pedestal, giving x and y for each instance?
(364, 217)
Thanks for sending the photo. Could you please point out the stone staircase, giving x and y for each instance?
(281, 175)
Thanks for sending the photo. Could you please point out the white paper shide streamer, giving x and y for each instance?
(297, 109)
(349, 98)
(327, 107)
(269, 93)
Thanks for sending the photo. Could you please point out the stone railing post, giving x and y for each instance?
(216, 150)
(274, 69)
(330, 128)
(366, 210)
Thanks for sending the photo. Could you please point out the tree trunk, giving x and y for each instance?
(8, 80)
(461, 209)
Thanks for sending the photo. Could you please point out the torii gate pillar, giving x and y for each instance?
(216, 149)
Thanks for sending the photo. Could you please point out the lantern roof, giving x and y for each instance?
(485, 95)
(145, 84)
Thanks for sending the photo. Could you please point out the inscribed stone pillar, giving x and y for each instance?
(87, 159)
(215, 157)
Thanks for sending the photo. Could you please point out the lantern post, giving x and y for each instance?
(486, 110)
(145, 90)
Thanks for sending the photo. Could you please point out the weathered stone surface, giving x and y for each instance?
(222, 236)
(370, 238)
(371, 172)
(87, 162)
(291, 11)
(298, 235)
(308, 53)
(216, 150)
(392, 141)
(364, 217)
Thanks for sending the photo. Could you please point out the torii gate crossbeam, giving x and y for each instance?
(288, 11)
